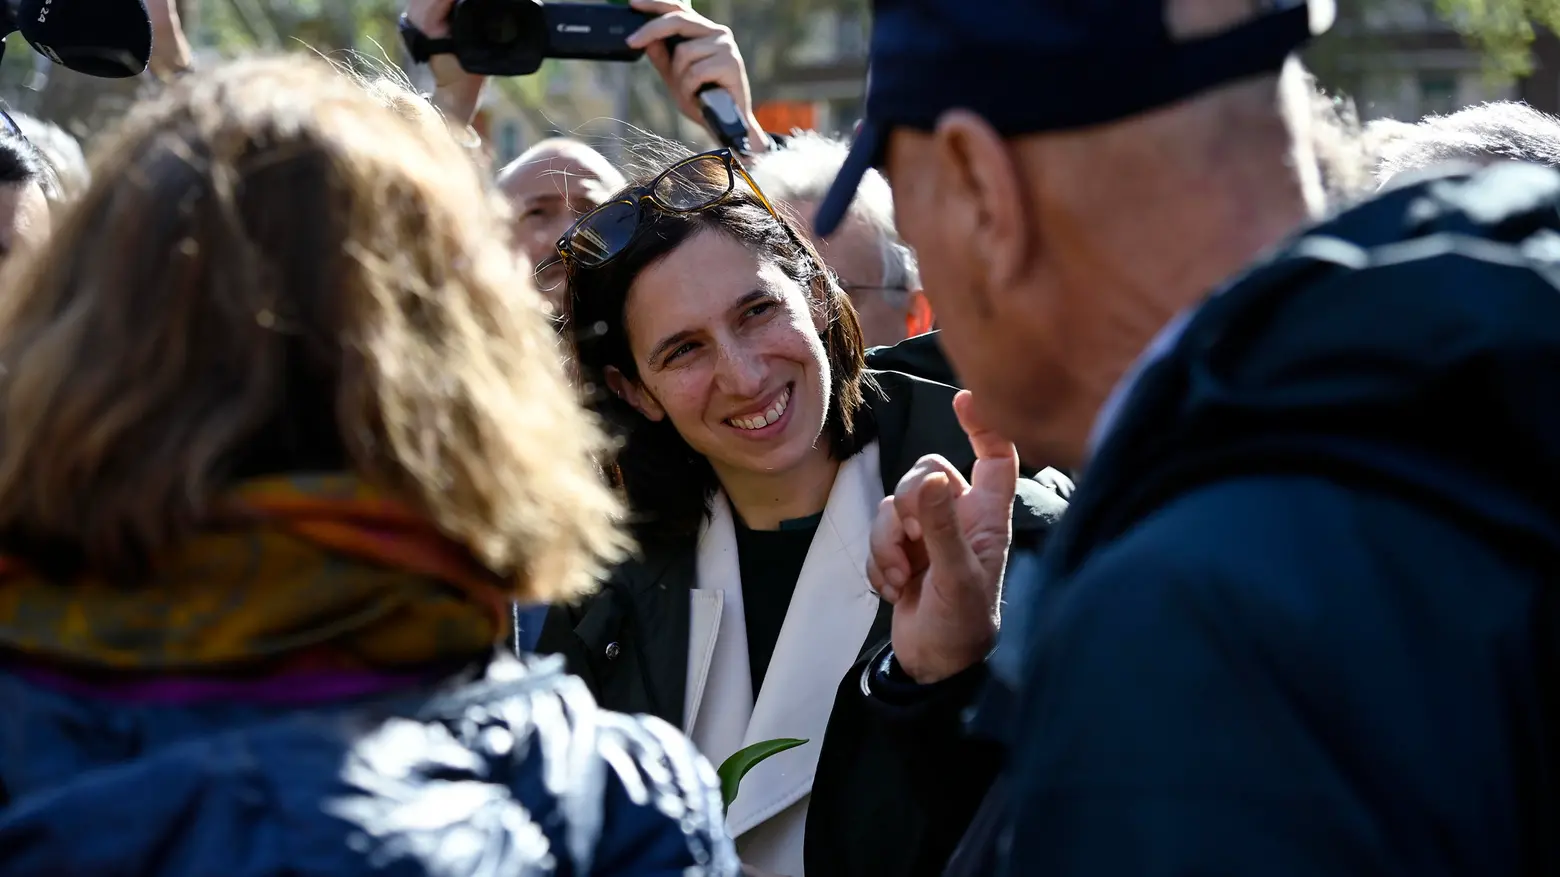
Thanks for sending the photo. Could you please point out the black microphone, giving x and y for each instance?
(111, 39)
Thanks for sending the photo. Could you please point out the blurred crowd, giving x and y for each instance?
(1143, 472)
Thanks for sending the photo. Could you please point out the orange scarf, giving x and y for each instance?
(317, 571)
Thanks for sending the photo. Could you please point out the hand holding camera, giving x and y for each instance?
(698, 58)
(456, 93)
(693, 53)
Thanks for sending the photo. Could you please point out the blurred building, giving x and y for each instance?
(1399, 59)
(818, 82)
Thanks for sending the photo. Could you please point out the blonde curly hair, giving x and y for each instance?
(263, 246)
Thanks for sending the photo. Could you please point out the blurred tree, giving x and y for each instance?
(1503, 29)
(326, 26)
(768, 31)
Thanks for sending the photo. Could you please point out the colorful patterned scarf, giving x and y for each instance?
(299, 573)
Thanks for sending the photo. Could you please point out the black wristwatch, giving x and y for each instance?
(420, 45)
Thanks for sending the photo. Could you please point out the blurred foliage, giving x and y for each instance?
(1502, 29)
(765, 30)
(233, 26)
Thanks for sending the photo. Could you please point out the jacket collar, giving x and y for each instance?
(913, 418)
(830, 615)
(653, 591)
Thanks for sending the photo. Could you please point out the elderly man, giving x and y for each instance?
(1301, 618)
(876, 268)
(549, 186)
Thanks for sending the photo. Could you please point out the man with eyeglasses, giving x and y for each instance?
(873, 264)
(552, 184)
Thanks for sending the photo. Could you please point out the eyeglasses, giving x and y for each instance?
(8, 123)
(852, 288)
(693, 184)
(896, 296)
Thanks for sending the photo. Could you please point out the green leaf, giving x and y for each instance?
(733, 769)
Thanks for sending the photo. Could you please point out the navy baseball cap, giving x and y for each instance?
(1030, 66)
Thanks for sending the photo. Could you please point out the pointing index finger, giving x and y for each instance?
(996, 459)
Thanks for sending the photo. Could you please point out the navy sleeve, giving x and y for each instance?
(897, 780)
(662, 815)
(1278, 676)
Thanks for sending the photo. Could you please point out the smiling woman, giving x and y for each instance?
(755, 448)
(703, 323)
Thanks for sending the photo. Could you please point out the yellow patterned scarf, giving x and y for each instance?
(309, 571)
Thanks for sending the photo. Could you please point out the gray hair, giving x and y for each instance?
(802, 171)
(67, 164)
(1331, 152)
(1496, 131)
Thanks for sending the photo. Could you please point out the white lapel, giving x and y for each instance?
(829, 617)
(718, 674)
(703, 625)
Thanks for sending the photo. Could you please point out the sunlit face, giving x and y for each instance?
(24, 218)
(855, 256)
(729, 349)
(547, 194)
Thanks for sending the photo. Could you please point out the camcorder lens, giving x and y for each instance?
(502, 29)
(493, 22)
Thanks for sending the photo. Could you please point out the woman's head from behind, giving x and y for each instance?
(717, 343)
(272, 273)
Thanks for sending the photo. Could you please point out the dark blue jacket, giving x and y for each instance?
(1299, 617)
(516, 774)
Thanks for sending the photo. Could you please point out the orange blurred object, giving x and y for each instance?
(784, 116)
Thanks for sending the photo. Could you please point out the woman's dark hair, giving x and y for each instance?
(21, 163)
(668, 484)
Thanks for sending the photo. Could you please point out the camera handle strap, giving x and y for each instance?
(421, 46)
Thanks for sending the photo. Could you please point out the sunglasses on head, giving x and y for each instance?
(693, 184)
(9, 124)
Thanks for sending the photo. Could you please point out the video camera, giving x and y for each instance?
(111, 39)
(513, 37)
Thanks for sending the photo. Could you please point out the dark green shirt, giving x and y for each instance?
(770, 562)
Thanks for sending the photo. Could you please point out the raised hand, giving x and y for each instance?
(939, 545)
(708, 55)
(171, 53)
(456, 93)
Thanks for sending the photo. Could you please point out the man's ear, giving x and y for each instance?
(635, 395)
(918, 315)
(983, 187)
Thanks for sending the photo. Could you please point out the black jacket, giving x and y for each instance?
(919, 355)
(895, 784)
(1300, 618)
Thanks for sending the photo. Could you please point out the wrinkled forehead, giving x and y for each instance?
(562, 175)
